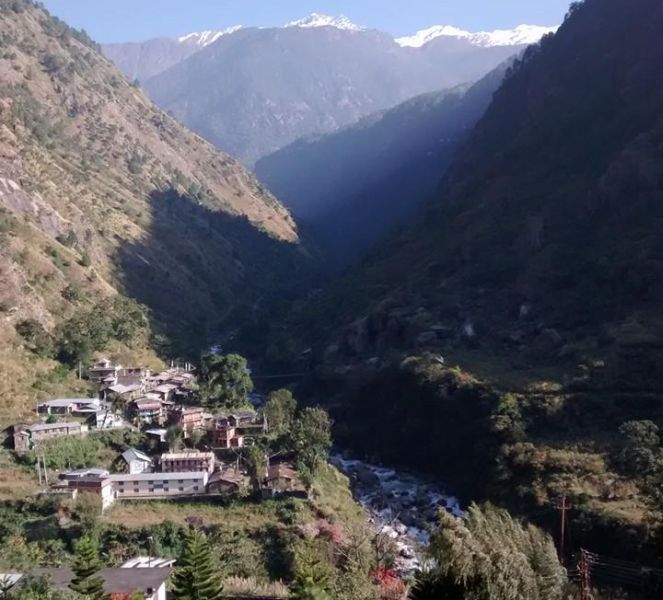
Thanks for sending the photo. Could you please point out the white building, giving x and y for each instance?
(137, 461)
(154, 485)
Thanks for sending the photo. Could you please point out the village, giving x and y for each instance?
(162, 407)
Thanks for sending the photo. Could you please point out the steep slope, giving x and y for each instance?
(354, 186)
(257, 90)
(537, 270)
(550, 216)
(101, 192)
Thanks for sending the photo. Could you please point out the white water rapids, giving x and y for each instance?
(400, 505)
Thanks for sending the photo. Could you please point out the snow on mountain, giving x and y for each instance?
(205, 38)
(521, 35)
(318, 20)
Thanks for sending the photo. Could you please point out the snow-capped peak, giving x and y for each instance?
(521, 35)
(205, 38)
(318, 20)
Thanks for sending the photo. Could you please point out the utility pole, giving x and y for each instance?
(563, 507)
(43, 460)
(584, 570)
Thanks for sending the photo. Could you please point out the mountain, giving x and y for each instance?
(318, 20)
(104, 196)
(353, 186)
(140, 61)
(545, 231)
(521, 35)
(254, 91)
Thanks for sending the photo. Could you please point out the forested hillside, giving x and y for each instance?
(535, 268)
(102, 193)
(550, 213)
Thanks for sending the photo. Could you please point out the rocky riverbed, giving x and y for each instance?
(402, 506)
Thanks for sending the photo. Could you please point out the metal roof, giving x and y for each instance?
(147, 562)
(64, 402)
(134, 454)
(158, 476)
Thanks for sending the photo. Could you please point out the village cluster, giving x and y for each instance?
(153, 402)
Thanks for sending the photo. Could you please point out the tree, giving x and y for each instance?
(311, 439)
(174, 437)
(256, 464)
(640, 448)
(226, 380)
(86, 564)
(495, 557)
(506, 420)
(196, 576)
(36, 588)
(311, 582)
(280, 411)
(433, 585)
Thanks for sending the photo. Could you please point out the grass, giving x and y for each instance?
(236, 514)
(16, 482)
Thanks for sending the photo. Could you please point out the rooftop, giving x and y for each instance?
(64, 402)
(186, 455)
(145, 562)
(157, 476)
(128, 581)
(47, 426)
(135, 454)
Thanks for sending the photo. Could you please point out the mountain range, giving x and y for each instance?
(252, 91)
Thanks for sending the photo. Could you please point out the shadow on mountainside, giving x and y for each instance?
(204, 273)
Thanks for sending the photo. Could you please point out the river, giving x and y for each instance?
(400, 505)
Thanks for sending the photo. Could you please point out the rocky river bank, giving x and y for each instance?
(400, 505)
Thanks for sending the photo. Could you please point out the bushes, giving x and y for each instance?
(91, 329)
(38, 339)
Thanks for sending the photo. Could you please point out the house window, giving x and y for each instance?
(181, 489)
(195, 488)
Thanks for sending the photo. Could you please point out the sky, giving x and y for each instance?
(137, 20)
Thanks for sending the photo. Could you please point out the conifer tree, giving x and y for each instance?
(196, 576)
(86, 564)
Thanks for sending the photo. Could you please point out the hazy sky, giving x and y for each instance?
(134, 20)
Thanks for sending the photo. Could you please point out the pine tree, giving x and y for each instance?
(86, 564)
(196, 576)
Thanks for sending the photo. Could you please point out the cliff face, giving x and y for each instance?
(101, 192)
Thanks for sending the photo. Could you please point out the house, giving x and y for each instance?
(281, 477)
(137, 461)
(166, 391)
(27, 437)
(68, 406)
(103, 371)
(151, 485)
(188, 461)
(81, 473)
(229, 481)
(92, 483)
(126, 393)
(225, 435)
(105, 418)
(158, 434)
(148, 409)
(149, 583)
(188, 418)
